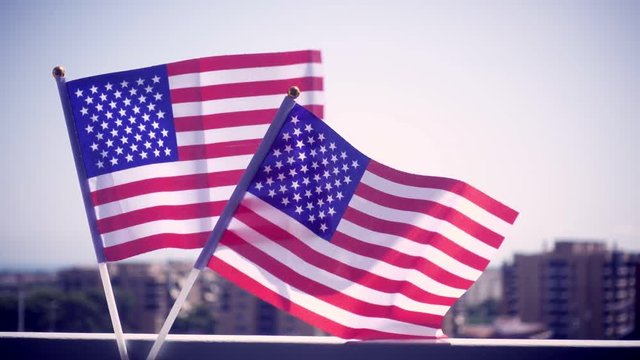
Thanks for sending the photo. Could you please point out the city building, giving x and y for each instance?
(580, 290)
(145, 293)
(14, 288)
(480, 297)
(141, 291)
(243, 314)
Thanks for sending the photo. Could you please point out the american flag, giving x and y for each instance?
(164, 146)
(352, 246)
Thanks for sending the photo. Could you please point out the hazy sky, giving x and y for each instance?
(536, 103)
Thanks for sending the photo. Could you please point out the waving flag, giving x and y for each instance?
(163, 147)
(352, 246)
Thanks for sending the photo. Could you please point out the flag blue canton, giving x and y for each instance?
(123, 120)
(310, 173)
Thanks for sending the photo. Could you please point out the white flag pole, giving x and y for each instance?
(175, 309)
(58, 74)
(113, 310)
(225, 217)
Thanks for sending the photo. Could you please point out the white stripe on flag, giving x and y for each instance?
(410, 248)
(322, 246)
(176, 168)
(329, 279)
(190, 226)
(263, 102)
(443, 197)
(166, 198)
(331, 312)
(219, 77)
(424, 222)
(212, 136)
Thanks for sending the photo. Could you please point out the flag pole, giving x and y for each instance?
(58, 74)
(227, 214)
(113, 310)
(173, 313)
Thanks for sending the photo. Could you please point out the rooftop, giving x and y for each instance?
(103, 346)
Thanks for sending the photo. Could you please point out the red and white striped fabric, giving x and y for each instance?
(221, 109)
(388, 265)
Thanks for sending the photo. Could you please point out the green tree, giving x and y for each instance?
(40, 310)
(8, 313)
(76, 311)
(483, 313)
(200, 320)
(84, 311)
(125, 301)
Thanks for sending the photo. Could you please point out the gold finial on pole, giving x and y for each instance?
(58, 72)
(294, 92)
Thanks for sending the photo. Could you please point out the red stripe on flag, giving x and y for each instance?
(239, 118)
(155, 242)
(224, 120)
(396, 258)
(321, 291)
(433, 209)
(175, 183)
(455, 186)
(218, 149)
(166, 212)
(301, 312)
(418, 235)
(323, 261)
(318, 110)
(247, 89)
(226, 62)
(270, 66)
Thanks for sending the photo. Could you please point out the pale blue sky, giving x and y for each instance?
(536, 103)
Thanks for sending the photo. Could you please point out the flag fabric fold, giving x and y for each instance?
(354, 247)
(163, 147)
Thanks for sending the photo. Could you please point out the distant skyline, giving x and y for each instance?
(536, 103)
